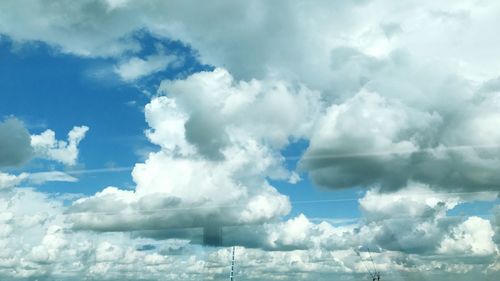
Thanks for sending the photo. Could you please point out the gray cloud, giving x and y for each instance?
(414, 220)
(401, 124)
(15, 143)
(204, 131)
(496, 223)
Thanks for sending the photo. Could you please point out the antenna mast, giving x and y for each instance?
(376, 274)
(231, 275)
(366, 267)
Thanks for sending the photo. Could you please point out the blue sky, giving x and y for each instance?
(307, 132)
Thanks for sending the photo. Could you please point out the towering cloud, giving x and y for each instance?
(220, 142)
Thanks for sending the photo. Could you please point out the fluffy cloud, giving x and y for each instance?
(220, 141)
(9, 181)
(366, 140)
(404, 125)
(38, 243)
(473, 235)
(15, 147)
(377, 49)
(79, 28)
(47, 146)
(415, 220)
(253, 41)
(269, 111)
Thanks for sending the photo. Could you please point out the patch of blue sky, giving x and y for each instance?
(475, 208)
(315, 202)
(59, 91)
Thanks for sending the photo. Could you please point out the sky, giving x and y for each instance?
(316, 135)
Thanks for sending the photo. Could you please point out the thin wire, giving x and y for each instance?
(323, 156)
(392, 152)
(364, 264)
(373, 264)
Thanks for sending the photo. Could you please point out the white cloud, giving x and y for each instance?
(472, 236)
(253, 41)
(9, 181)
(361, 141)
(135, 68)
(42, 177)
(298, 233)
(417, 201)
(214, 162)
(38, 242)
(415, 220)
(66, 152)
(271, 111)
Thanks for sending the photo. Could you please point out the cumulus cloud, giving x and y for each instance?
(38, 242)
(473, 235)
(15, 147)
(433, 127)
(369, 47)
(214, 161)
(415, 220)
(366, 140)
(47, 146)
(298, 233)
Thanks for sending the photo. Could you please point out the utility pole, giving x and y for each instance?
(231, 275)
